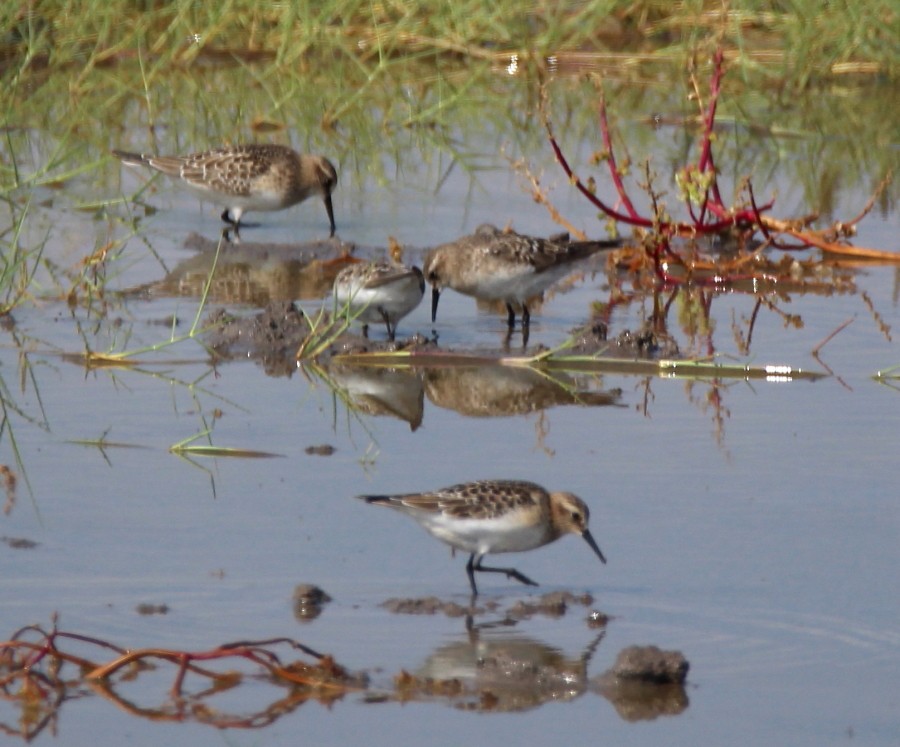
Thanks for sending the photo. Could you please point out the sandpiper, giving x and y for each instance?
(496, 265)
(379, 292)
(491, 516)
(247, 177)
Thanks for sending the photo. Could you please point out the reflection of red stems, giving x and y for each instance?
(37, 666)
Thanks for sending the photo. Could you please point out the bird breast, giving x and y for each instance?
(483, 536)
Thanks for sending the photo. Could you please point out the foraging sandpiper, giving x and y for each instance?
(491, 516)
(379, 292)
(496, 265)
(247, 177)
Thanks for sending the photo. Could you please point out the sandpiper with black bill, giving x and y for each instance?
(379, 292)
(247, 177)
(491, 516)
(496, 265)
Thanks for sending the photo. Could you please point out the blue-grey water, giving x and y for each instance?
(752, 525)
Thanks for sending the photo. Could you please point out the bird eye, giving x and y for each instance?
(576, 517)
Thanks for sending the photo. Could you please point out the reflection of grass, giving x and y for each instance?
(888, 376)
(126, 357)
(187, 447)
(17, 264)
(11, 411)
(698, 368)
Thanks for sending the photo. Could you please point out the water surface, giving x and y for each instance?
(752, 525)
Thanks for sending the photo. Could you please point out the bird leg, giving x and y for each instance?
(511, 317)
(511, 321)
(236, 224)
(233, 225)
(474, 565)
(387, 323)
(470, 571)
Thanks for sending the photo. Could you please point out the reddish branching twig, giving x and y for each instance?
(708, 214)
(32, 662)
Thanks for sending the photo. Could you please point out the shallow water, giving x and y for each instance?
(752, 525)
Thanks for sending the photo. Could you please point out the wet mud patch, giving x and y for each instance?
(554, 604)
(650, 664)
(429, 606)
(320, 450)
(644, 343)
(276, 334)
(271, 337)
(19, 543)
(152, 609)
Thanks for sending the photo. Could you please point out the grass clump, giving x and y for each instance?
(808, 40)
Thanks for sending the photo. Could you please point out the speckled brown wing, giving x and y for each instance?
(384, 274)
(544, 254)
(488, 498)
(226, 170)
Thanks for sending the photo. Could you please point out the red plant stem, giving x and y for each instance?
(759, 221)
(728, 221)
(717, 197)
(745, 218)
(611, 160)
(595, 201)
(706, 158)
(765, 229)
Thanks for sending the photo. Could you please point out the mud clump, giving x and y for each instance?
(320, 450)
(650, 664)
(19, 543)
(555, 604)
(272, 336)
(152, 609)
(645, 683)
(350, 343)
(425, 606)
(309, 601)
(275, 335)
(644, 344)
